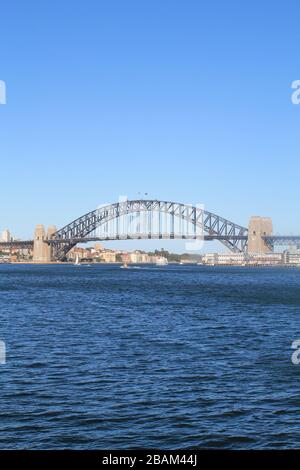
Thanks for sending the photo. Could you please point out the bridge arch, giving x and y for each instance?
(205, 225)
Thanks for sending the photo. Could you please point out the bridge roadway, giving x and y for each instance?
(274, 240)
(18, 244)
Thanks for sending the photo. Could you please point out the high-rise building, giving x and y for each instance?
(6, 236)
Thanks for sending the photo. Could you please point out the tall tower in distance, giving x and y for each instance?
(6, 236)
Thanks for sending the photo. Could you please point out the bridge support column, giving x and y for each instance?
(51, 231)
(259, 227)
(42, 252)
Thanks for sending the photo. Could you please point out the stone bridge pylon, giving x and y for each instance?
(42, 252)
(259, 227)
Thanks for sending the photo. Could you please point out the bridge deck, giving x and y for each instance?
(274, 239)
(282, 240)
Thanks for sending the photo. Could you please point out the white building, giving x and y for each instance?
(265, 259)
(210, 259)
(138, 257)
(241, 259)
(231, 258)
(292, 257)
(6, 236)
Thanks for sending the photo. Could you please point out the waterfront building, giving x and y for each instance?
(138, 257)
(108, 256)
(77, 252)
(210, 259)
(265, 259)
(231, 258)
(292, 257)
(241, 259)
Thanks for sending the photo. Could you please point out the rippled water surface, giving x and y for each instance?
(103, 357)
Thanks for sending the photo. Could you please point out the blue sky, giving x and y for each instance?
(186, 100)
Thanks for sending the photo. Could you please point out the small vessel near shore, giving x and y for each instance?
(162, 261)
(124, 266)
(77, 263)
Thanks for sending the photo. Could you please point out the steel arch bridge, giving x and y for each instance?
(148, 219)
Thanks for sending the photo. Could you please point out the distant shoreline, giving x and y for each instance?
(173, 263)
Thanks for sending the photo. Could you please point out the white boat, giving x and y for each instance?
(124, 266)
(161, 261)
(77, 263)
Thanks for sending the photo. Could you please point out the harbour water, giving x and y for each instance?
(157, 357)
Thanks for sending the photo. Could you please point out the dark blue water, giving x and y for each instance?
(174, 357)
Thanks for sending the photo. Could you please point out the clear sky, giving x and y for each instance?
(184, 99)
